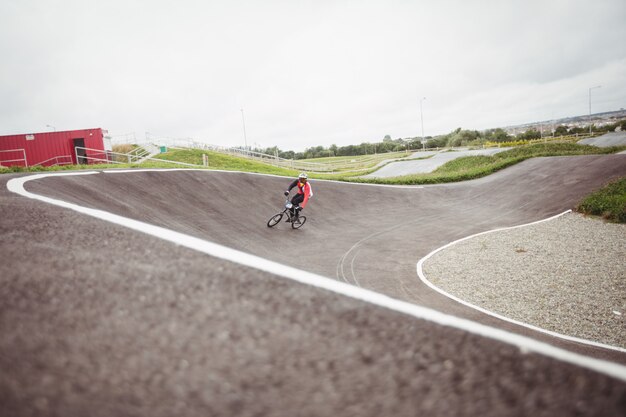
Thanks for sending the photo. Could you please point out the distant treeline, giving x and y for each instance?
(458, 137)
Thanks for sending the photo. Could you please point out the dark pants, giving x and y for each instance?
(296, 200)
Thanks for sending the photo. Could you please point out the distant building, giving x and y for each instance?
(52, 148)
(583, 121)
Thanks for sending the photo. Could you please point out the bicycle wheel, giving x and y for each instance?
(296, 224)
(274, 220)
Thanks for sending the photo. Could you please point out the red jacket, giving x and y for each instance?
(302, 189)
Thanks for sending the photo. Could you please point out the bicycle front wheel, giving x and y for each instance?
(299, 222)
(274, 220)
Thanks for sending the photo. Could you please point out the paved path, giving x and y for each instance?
(98, 319)
(609, 139)
(434, 159)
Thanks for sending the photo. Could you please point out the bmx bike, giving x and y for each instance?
(296, 220)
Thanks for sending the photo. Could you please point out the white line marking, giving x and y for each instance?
(422, 276)
(356, 245)
(525, 344)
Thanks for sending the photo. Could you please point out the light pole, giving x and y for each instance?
(53, 127)
(422, 117)
(591, 88)
(245, 139)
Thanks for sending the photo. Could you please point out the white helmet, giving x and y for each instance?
(303, 175)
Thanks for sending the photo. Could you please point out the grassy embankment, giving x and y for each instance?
(7, 170)
(609, 202)
(218, 161)
(472, 167)
(465, 168)
(460, 169)
(364, 159)
(231, 163)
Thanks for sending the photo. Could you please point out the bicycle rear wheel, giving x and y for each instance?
(274, 220)
(299, 222)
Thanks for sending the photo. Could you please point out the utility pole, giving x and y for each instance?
(422, 117)
(591, 88)
(245, 139)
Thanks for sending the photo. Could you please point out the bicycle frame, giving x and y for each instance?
(290, 214)
(293, 217)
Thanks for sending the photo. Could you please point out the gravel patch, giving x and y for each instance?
(567, 275)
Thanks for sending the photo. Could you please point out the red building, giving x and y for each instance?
(52, 148)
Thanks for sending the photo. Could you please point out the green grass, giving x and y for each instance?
(221, 161)
(13, 169)
(188, 156)
(472, 167)
(349, 164)
(608, 202)
(471, 164)
(357, 158)
(460, 169)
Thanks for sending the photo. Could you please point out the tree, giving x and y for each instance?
(438, 142)
(497, 135)
(461, 137)
(530, 134)
(560, 130)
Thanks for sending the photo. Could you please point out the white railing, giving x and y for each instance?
(136, 155)
(17, 159)
(58, 160)
(146, 152)
(98, 156)
(356, 164)
(258, 156)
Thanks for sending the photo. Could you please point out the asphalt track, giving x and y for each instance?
(98, 319)
(432, 161)
(609, 139)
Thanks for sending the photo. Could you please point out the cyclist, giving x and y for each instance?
(305, 192)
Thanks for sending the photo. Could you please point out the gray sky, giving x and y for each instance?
(306, 73)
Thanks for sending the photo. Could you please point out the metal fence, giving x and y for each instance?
(57, 160)
(98, 156)
(359, 163)
(16, 158)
